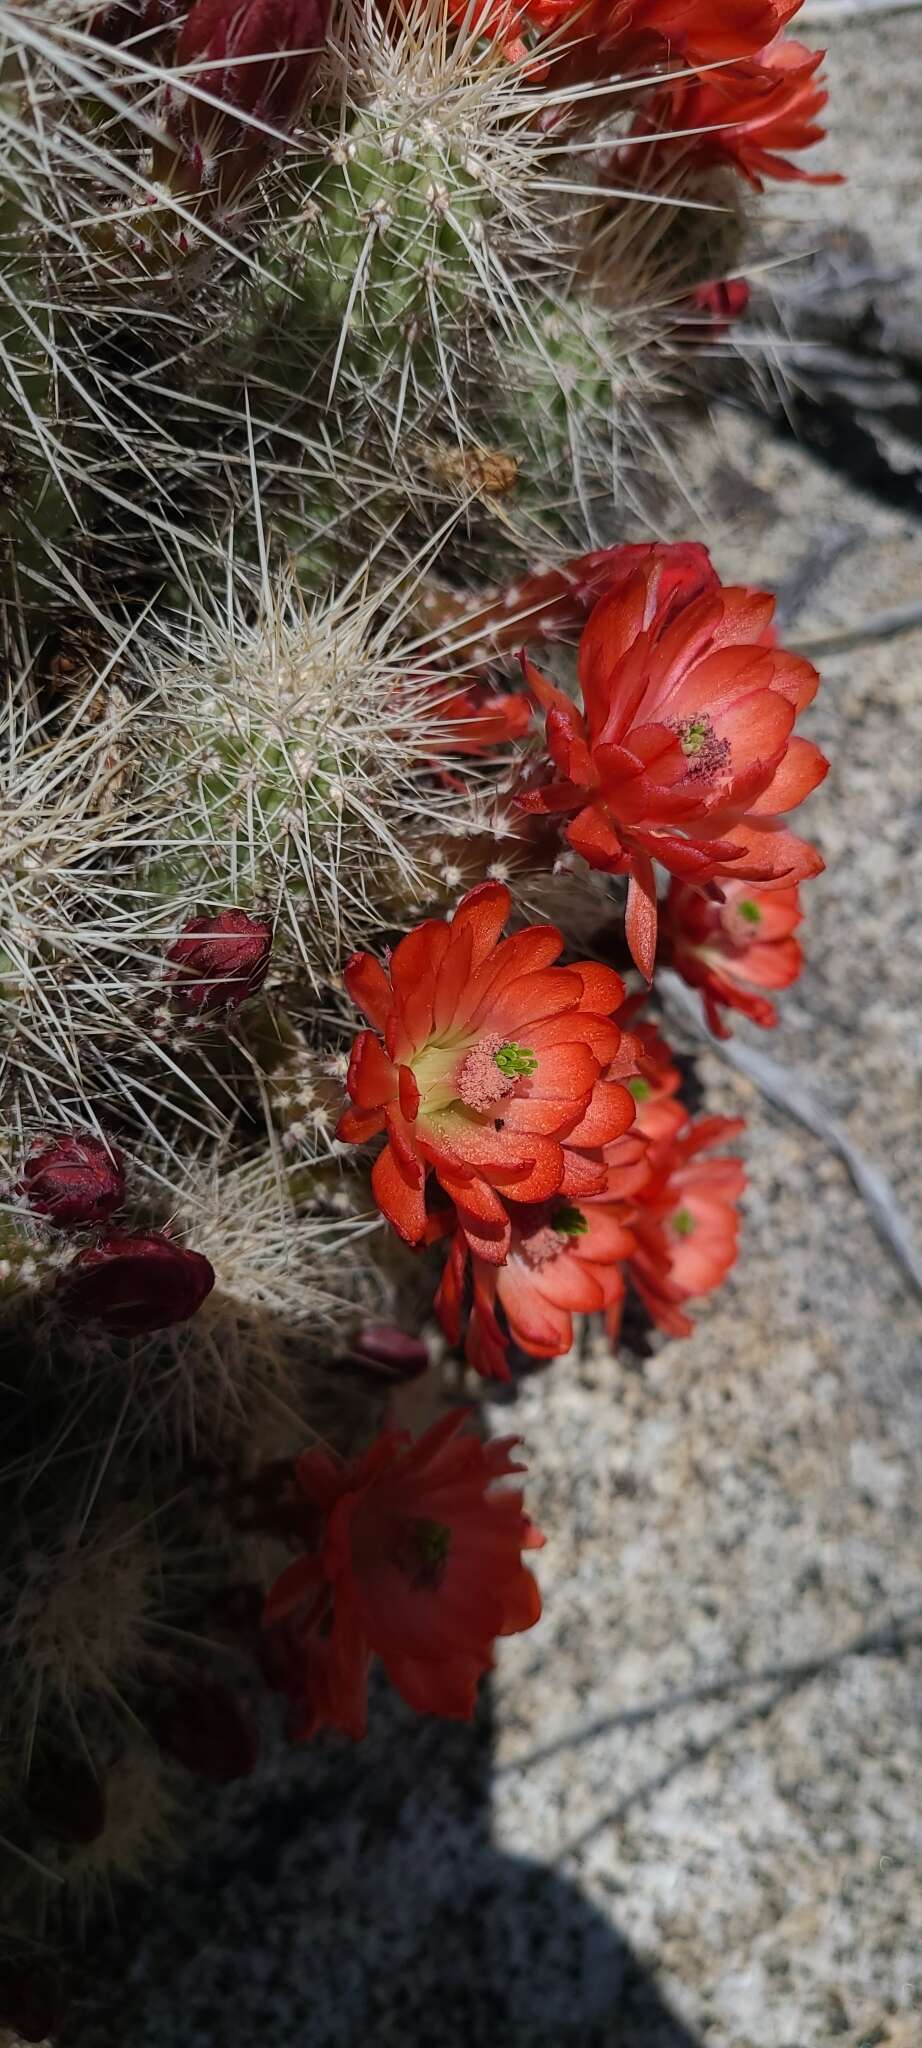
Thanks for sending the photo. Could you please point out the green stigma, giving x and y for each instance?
(684, 1222)
(640, 1089)
(516, 1061)
(694, 733)
(422, 1552)
(750, 911)
(570, 1221)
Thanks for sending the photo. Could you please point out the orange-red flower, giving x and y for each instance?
(491, 1058)
(475, 718)
(414, 1559)
(564, 1259)
(748, 115)
(622, 35)
(550, 603)
(593, 41)
(684, 751)
(657, 1113)
(733, 942)
(686, 1225)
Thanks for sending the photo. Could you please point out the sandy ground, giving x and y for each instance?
(690, 1815)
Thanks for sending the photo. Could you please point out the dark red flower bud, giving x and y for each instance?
(725, 300)
(35, 1996)
(208, 1730)
(390, 1352)
(258, 58)
(123, 21)
(74, 1180)
(135, 1284)
(711, 309)
(66, 1798)
(219, 961)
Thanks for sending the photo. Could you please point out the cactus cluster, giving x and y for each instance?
(333, 352)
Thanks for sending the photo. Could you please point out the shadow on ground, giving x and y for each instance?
(360, 1898)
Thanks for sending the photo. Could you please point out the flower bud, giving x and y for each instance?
(219, 961)
(66, 1798)
(258, 59)
(135, 1284)
(73, 1180)
(390, 1352)
(208, 1730)
(124, 21)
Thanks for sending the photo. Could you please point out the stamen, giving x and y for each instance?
(705, 753)
(491, 1070)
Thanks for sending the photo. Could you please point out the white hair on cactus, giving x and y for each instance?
(293, 753)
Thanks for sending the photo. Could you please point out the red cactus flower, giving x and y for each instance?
(684, 753)
(473, 718)
(621, 35)
(710, 310)
(564, 1259)
(73, 1180)
(657, 1113)
(551, 603)
(685, 1224)
(219, 961)
(748, 115)
(135, 1284)
(258, 58)
(416, 1561)
(492, 1056)
(732, 942)
(124, 21)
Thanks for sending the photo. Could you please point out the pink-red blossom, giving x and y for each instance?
(411, 1555)
(684, 751)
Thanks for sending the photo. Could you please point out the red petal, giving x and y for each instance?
(399, 1198)
(640, 917)
(409, 1094)
(369, 988)
(371, 1079)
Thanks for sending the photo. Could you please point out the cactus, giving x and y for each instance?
(310, 331)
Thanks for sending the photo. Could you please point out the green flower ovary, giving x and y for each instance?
(749, 911)
(640, 1089)
(684, 1222)
(516, 1062)
(569, 1221)
(422, 1552)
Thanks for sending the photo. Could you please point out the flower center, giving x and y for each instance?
(421, 1552)
(683, 1222)
(705, 753)
(492, 1069)
(741, 921)
(640, 1089)
(549, 1239)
